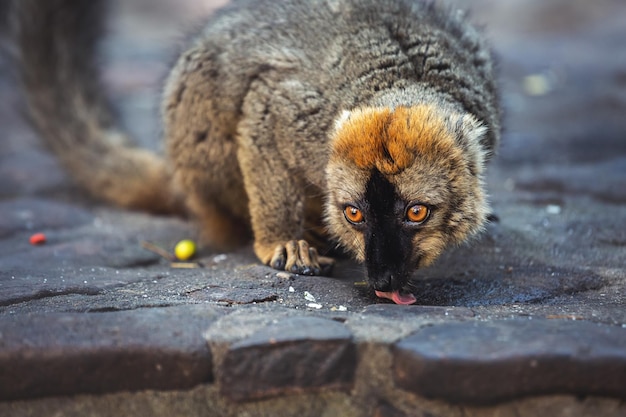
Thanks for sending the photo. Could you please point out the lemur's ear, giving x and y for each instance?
(469, 132)
(345, 116)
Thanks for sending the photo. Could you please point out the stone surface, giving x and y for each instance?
(99, 301)
(487, 362)
(32, 215)
(294, 355)
(67, 354)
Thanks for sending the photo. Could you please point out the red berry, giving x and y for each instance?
(37, 239)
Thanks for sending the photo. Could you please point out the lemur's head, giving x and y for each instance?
(403, 184)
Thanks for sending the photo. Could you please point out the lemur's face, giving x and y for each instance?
(403, 185)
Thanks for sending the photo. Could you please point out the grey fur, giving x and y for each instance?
(325, 56)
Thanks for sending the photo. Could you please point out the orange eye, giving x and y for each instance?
(353, 214)
(417, 213)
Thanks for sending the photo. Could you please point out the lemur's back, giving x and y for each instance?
(350, 50)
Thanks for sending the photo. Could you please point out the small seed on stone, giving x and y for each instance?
(37, 239)
(185, 249)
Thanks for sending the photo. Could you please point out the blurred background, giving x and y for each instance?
(563, 77)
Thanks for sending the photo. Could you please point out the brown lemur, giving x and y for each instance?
(302, 124)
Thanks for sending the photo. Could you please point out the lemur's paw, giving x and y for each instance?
(295, 256)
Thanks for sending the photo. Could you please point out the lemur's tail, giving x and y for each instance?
(56, 43)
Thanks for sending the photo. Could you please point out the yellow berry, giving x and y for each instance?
(185, 249)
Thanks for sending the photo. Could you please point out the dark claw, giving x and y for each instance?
(279, 264)
(295, 269)
(307, 271)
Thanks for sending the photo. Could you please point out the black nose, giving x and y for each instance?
(386, 281)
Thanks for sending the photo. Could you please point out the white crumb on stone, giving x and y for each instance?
(309, 297)
(283, 275)
(314, 305)
(219, 258)
(291, 289)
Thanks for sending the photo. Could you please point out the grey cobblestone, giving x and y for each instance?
(294, 355)
(487, 362)
(69, 353)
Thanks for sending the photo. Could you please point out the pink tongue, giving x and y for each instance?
(396, 297)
